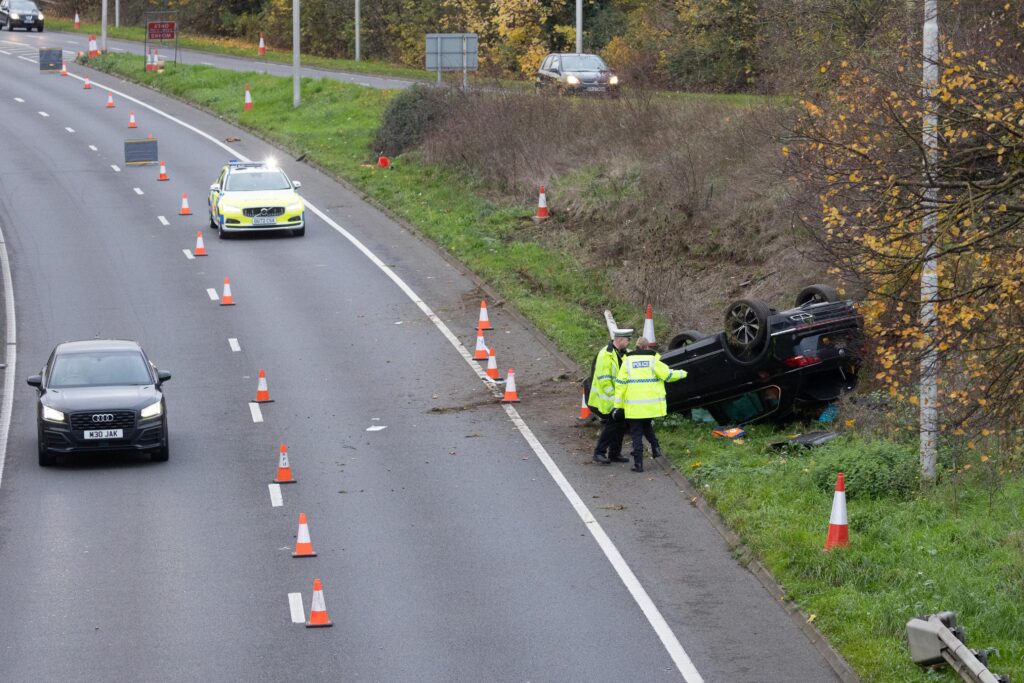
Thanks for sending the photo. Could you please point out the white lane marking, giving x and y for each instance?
(376, 428)
(12, 354)
(18, 99)
(188, 254)
(5, 52)
(233, 343)
(27, 59)
(654, 617)
(93, 148)
(138, 190)
(117, 169)
(212, 293)
(163, 221)
(44, 114)
(296, 608)
(276, 500)
(69, 129)
(75, 42)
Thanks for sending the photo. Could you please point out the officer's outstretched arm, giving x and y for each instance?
(667, 374)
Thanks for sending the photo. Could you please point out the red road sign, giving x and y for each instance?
(161, 30)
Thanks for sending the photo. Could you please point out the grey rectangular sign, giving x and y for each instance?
(140, 151)
(50, 59)
(453, 51)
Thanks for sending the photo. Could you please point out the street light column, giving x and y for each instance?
(296, 90)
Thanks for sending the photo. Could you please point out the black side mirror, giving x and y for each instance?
(163, 376)
(35, 381)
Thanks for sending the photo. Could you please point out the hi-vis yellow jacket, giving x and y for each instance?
(602, 387)
(640, 384)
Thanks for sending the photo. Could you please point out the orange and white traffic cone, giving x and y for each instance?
(200, 246)
(318, 611)
(480, 353)
(303, 544)
(492, 365)
(93, 50)
(87, 85)
(485, 322)
(63, 68)
(248, 99)
(156, 59)
(584, 408)
(163, 172)
(284, 470)
(110, 100)
(78, 22)
(511, 395)
(262, 393)
(185, 211)
(226, 299)
(838, 526)
(649, 326)
(262, 50)
(542, 205)
(131, 120)
(149, 59)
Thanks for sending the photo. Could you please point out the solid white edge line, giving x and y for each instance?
(12, 353)
(212, 293)
(636, 589)
(188, 254)
(295, 606)
(276, 500)
(163, 221)
(138, 190)
(233, 343)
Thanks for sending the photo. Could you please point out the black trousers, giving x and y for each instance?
(639, 430)
(609, 441)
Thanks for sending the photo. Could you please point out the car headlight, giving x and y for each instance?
(229, 208)
(15, 15)
(41, 17)
(51, 415)
(154, 410)
(297, 206)
(614, 80)
(572, 80)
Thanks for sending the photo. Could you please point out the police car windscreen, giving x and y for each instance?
(261, 180)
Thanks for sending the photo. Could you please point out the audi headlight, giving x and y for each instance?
(41, 17)
(154, 410)
(572, 80)
(228, 208)
(51, 415)
(614, 80)
(297, 206)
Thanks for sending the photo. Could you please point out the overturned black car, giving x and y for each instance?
(769, 365)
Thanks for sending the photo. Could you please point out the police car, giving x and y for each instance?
(255, 197)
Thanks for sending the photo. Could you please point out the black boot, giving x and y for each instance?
(656, 451)
(619, 457)
(638, 466)
(602, 459)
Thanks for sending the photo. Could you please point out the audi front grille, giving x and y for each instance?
(111, 419)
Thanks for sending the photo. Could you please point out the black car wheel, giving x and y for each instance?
(817, 294)
(683, 338)
(221, 233)
(10, 26)
(40, 29)
(46, 459)
(299, 232)
(746, 328)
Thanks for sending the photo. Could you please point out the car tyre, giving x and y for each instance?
(685, 337)
(299, 232)
(45, 458)
(161, 455)
(223, 234)
(10, 26)
(746, 329)
(817, 294)
(40, 29)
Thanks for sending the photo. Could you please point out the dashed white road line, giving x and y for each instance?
(275, 495)
(5, 52)
(18, 99)
(28, 60)
(233, 343)
(93, 148)
(69, 129)
(657, 621)
(212, 293)
(75, 42)
(117, 169)
(12, 353)
(44, 114)
(188, 254)
(296, 608)
(163, 221)
(138, 190)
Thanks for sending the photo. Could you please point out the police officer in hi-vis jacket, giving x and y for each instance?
(602, 398)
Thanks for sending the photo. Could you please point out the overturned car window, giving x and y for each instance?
(748, 407)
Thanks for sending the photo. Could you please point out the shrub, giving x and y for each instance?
(411, 115)
(875, 470)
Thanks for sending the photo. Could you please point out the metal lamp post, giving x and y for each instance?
(296, 90)
(579, 25)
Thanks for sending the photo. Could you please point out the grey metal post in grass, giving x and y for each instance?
(117, 13)
(358, 28)
(103, 27)
(929, 268)
(296, 90)
(579, 25)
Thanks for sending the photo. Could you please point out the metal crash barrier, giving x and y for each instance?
(937, 638)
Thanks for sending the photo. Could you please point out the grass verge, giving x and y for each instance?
(909, 556)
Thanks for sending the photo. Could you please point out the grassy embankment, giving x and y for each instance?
(951, 548)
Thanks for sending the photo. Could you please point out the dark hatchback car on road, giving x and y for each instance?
(20, 14)
(100, 396)
(769, 365)
(575, 74)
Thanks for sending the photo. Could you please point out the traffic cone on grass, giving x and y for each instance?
(78, 22)
(542, 205)
(649, 326)
(262, 393)
(247, 106)
(93, 50)
(318, 611)
(226, 299)
(303, 544)
(480, 353)
(200, 245)
(492, 365)
(484, 322)
(511, 395)
(185, 211)
(284, 470)
(838, 527)
(262, 50)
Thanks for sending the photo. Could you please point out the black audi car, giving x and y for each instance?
(21, 14)
(769, 365)
(575, 74)
(99, 396)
